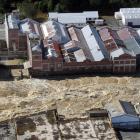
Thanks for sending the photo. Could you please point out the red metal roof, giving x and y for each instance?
(107, 35)
(111, 39)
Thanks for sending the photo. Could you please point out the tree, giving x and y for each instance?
(27, 10)
(5, 6)
(95, 3)
(51, 5)
(41, 5)
(58, 8)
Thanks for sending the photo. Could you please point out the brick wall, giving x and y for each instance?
(124, 64)
(17, 41)
(37, 61)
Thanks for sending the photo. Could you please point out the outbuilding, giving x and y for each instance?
(123, 115)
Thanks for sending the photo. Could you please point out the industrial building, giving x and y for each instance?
(71, 50)
(123, 115)
(95, 43)
(123, 58)
(130, 38)
(77, 19)
(57, 57)
(55, 31)
(76, 35)
(15, 39)
(16, 34)
(129, 16)
(54, 48)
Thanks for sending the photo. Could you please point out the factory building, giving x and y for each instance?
(131, 39)
(129, 16)
(77, 19)
(54, 48)
(30, 26)
(123, 59)
(75, 51)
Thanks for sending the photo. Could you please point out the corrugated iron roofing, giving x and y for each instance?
(132, 45)
(109, 37)
(69, 50)
(120, 51)
(131, 39)
(80, 56)
(124, 34)
(107, 33)
(52, 46)
(95, 43)
(56, 31)
(77, 35)
(127, 33)
(114, 45)
(104, 33)
(73, 33)
(30, 26)
(128, 108)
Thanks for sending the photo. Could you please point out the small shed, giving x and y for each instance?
(97, 112)
(123, 115)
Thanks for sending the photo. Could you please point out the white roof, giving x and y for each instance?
(92, 14)
(130, 13)
(79, 55)
(73, 17)
(94, 43)
(70, 19)
(130, 10)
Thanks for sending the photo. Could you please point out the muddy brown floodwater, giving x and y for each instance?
(71, 96)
